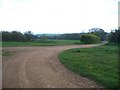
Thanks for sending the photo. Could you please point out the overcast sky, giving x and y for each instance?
(58, 16)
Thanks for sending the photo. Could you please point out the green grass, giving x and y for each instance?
(41, 43)
(99, 63)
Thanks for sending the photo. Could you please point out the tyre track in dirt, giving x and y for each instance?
(39, 67)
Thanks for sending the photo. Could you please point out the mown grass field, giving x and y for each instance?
(41, 43)
(99, 63)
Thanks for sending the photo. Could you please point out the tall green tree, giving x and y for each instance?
(28, 35)
(99, 32)
(6, 36)
(17, 36)
(114, 36)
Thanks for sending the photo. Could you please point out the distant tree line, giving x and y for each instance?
(28, 36)
(112, 37)
(16, 36)
(76, 36)
(72, 36)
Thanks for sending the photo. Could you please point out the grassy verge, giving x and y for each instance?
(0, 44)
(7, 53)
(41, 43)
(99, 63)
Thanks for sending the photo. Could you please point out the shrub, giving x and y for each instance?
(114, 37)
(90, 39)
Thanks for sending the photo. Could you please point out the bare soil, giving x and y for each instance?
(39, 67)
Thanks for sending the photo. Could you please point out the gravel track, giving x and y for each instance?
(39, 67)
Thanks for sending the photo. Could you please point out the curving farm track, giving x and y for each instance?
(39, 67)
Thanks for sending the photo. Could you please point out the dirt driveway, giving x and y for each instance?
(39, 67)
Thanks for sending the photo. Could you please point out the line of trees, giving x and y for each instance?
(27, 36)
(112, 37)
(16, 36)
(72, 36)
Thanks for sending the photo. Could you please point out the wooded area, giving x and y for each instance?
(112, 37)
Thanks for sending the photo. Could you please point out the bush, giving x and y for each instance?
(90, 39)
(114, 37)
